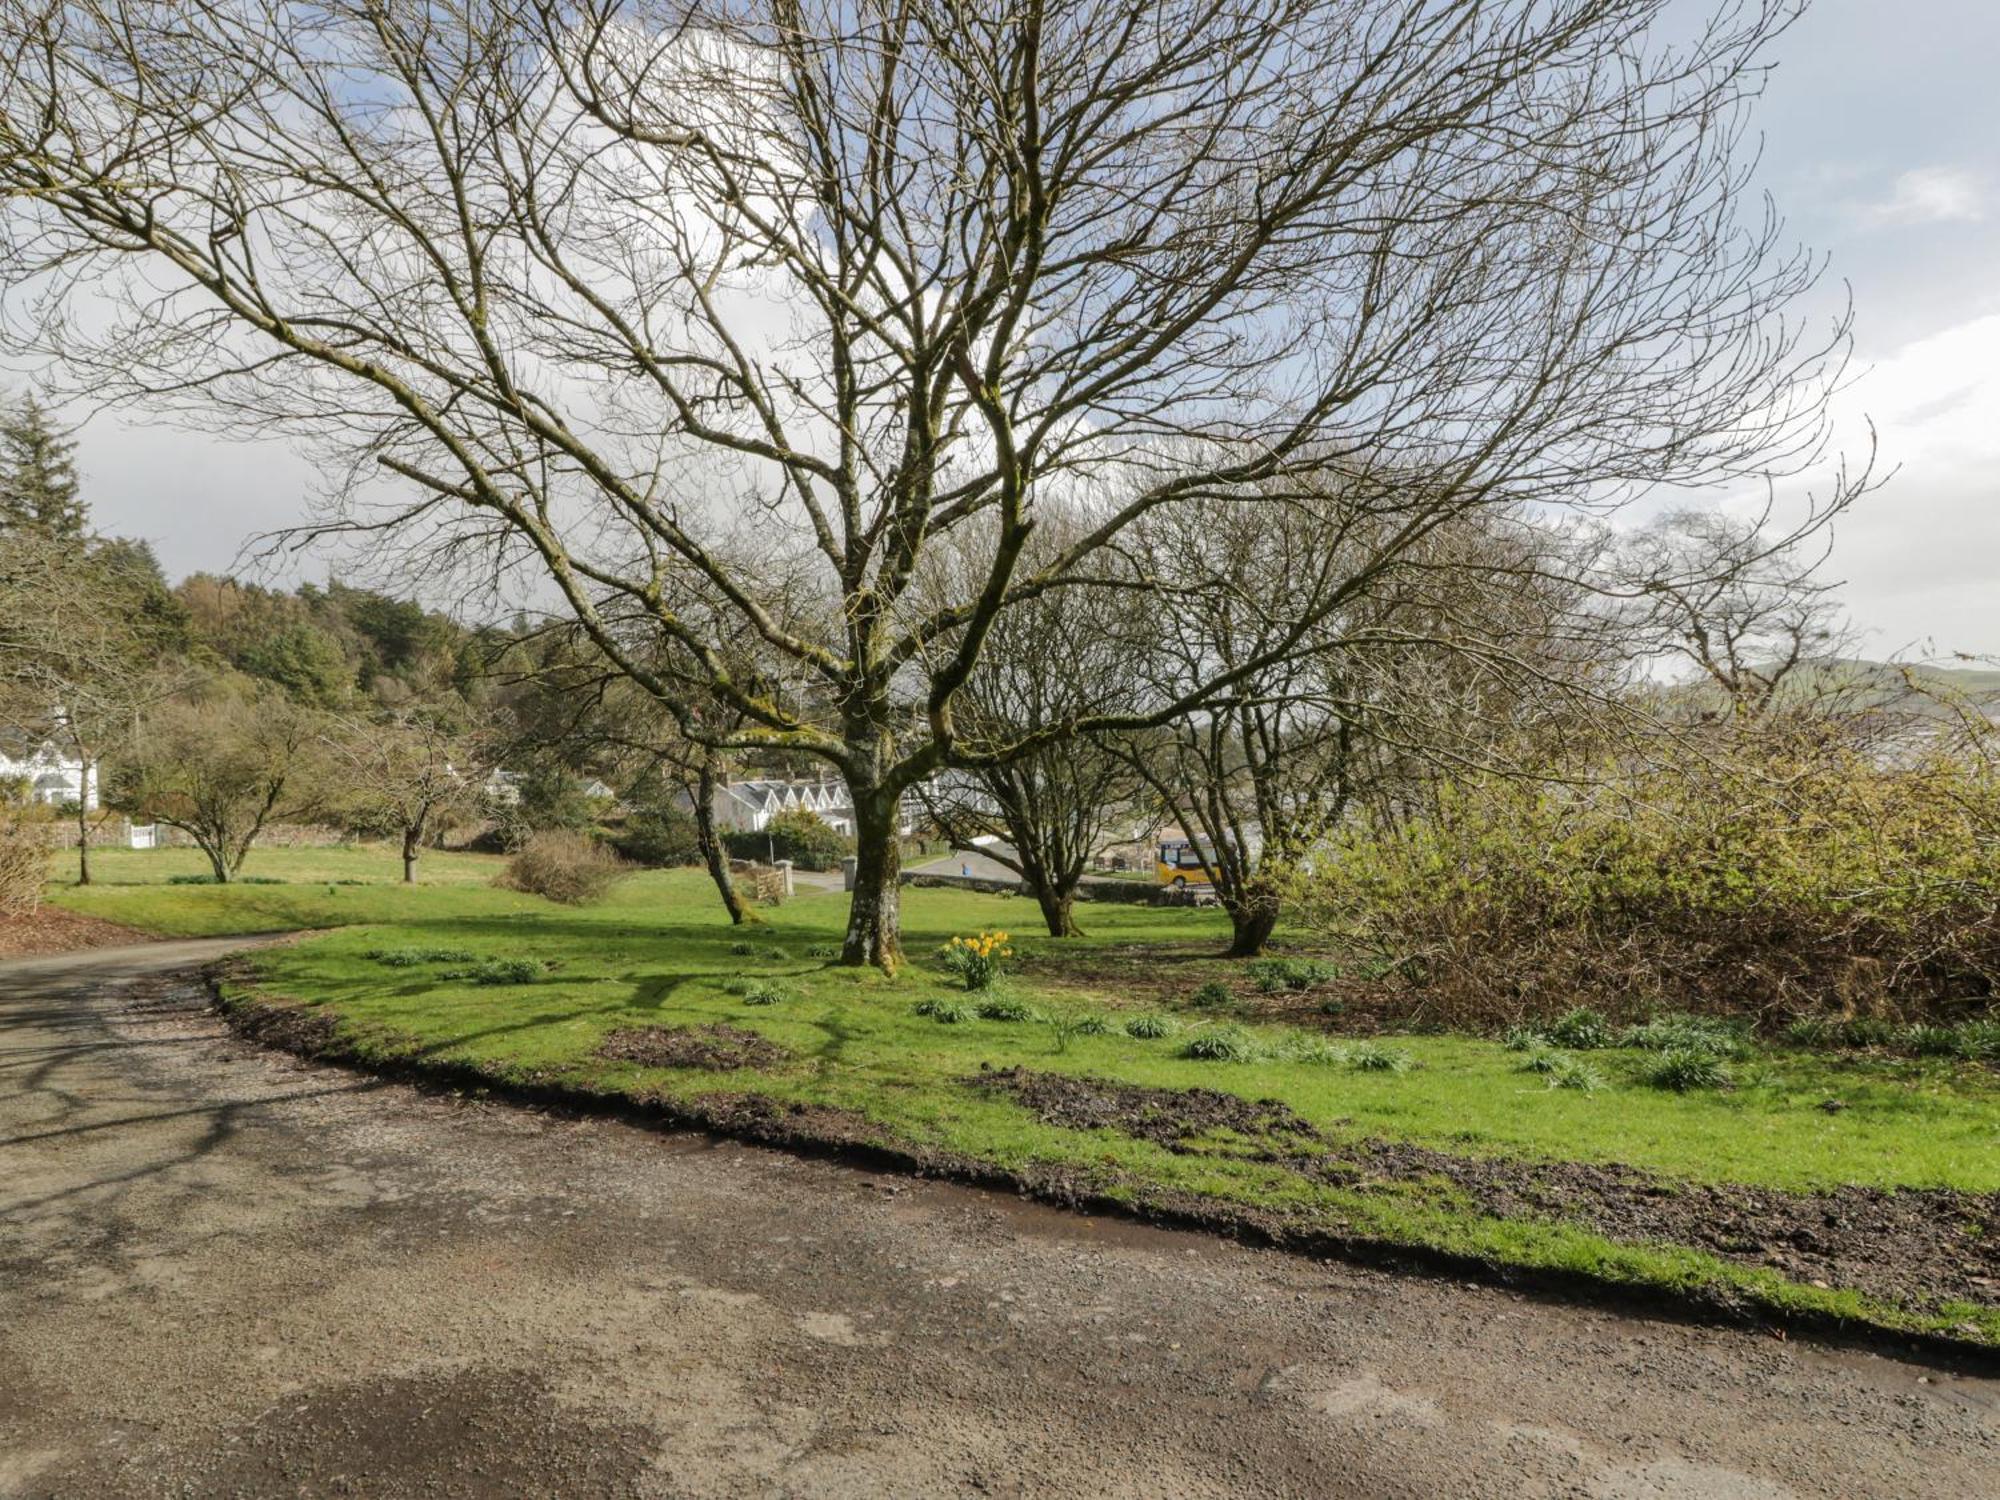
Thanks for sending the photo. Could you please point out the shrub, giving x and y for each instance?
(944, 1009)
(1222, 1044)
(1684, 1069)
(800, 836)
(764, 994)
(571, 868)
(1581, 1028)
(1543, 1061)
(1811, 1031)
(1151, 1027)
(659, 838)
(976, 961)
(1523, 1038)
(27, 842)
(1214, 995)
(1785, 868)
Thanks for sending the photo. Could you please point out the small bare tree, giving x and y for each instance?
(409, 774)
(221, 765)
(1748, 611)
(1050, 664)
(764, 300)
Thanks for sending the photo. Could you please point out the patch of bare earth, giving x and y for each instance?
(1915, 1247)
(55, 929)
(719, 1047)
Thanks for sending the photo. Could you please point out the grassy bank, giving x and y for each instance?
(284, 889)
(1439, 1143)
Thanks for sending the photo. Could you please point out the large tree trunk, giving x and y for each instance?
(874, 919)
(1252, 916)
(217, 860)
(1057, 909)
(710, 843)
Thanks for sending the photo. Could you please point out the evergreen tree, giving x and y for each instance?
(38, 483)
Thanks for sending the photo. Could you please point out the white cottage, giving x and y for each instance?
(50, 774)
(751, 804)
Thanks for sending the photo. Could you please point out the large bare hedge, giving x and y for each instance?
(1782, 872)
(27, 842)
(572, 868)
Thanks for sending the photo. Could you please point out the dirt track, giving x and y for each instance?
(226, 1273)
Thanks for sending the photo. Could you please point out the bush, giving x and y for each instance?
(765, 994)
(660, 838)
(1785, 868)
(1151, 1027)
(1684, 1069)
(800, 836)
(572, 868)
(27, 842)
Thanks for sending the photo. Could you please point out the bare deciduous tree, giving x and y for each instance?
(1048, 664)
(1747, 612)
(408, 774)
(760, 300)
(221, 765)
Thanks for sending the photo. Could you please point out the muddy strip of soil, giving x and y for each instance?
(718, 1047)
(1914, 1247)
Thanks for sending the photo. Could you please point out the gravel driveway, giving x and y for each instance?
(223, 1273)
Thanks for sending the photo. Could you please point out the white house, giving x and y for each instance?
(51, 775)
(750, 805)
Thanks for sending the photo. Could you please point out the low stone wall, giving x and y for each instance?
(1130, 892)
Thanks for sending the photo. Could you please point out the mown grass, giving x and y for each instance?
(658, 951)
(331, 887)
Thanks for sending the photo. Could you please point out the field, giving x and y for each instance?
(1847, 1187)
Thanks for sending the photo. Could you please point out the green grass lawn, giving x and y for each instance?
(659, 952)
(329, 887)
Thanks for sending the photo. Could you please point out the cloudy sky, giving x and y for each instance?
(1882, 149)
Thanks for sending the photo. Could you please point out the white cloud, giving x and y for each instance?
(1922, 554)
(1928, 195)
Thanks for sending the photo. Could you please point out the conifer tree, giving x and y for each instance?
(38, 482)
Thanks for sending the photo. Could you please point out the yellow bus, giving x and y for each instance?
(1179, 863)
